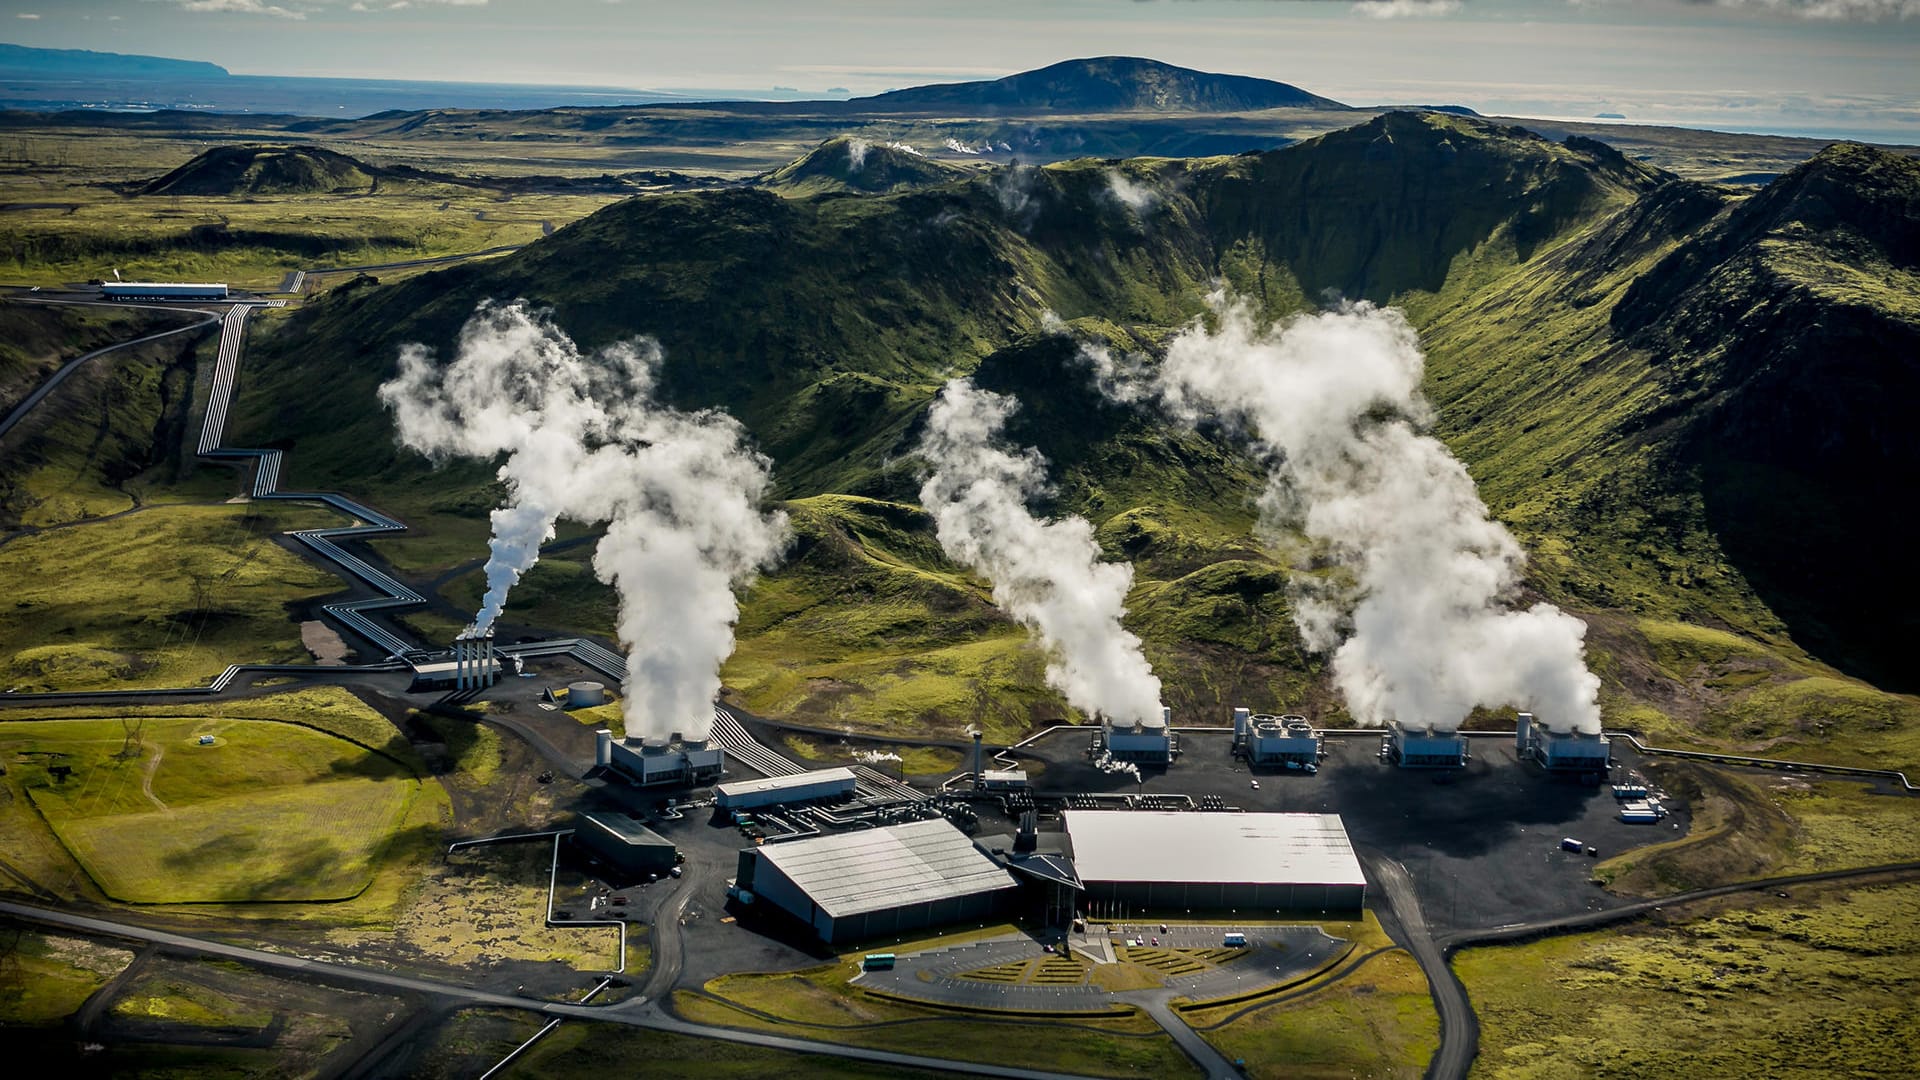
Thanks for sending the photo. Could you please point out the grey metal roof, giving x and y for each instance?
(1172, 846)
(735, 788)
(624, 829)
(876, 869)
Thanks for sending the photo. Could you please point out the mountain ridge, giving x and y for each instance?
(827, 321)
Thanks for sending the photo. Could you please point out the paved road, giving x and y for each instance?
(1211, 1061)
(643, 1016)
(53, 381)
(1459, 1028)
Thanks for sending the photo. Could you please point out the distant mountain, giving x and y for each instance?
(1102, 84)
(266, 170)
(849, 163)
(21, 61)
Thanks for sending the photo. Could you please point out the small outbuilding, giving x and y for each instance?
(625, 844)
(775, 790)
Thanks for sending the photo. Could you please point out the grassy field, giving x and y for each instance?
(486, 905)
(1747, 826)
(913, 760)
(274, 747)
(164, 596)
(822, 1003)
(267, 812)
(253, 241)
(1820, 984)
(595, 1050)
(44, 978)
(1376, 1021)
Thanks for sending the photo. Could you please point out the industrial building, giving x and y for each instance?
(874, 882)
(1570, 753)
(1148, 741)
(448, 674)
(1285, 741)
(774, 790)
(1412, 748)
(625, 844)
(1183, 861)
(474, 666)
(163, 290)
(658, 762)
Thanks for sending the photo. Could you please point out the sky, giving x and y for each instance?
(1838, 67)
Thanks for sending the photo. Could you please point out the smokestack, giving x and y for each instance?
(603, 747)
(1241, 717)
(978, 777)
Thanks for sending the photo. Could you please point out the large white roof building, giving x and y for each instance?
(1242, 862)
(877, 881)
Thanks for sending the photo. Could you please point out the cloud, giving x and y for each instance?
(26, 15)
(240, 7)
(1405, 9)
(1856, 10)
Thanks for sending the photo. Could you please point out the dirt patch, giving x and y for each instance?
(325, 643)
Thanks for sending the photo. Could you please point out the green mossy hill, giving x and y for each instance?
(1788, 335)
(848, 163)
(266, 170)
(1389, 206)
(1104, 84)
(1609, 349)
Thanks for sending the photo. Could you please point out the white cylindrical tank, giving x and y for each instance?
(582, 695)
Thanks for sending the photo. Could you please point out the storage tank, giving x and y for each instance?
(585, 695)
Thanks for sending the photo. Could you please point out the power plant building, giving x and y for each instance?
(1286, 741)
(1147, 742)
(1567, 753)
(1182, 861)
(1426, 749)
(775, 790)
(874, 882)
(624, 843)
(658, 762)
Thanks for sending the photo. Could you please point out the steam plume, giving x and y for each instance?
(1415, 609)
(586, 439)
(516, 387)
(857, 154)
(1131, 193)
(1047, 574)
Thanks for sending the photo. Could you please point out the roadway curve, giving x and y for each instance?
(1459, 1027)
(634, 1014)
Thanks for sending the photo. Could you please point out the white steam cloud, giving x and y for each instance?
(520, 388)
(1107, 763)
(1130, 193)
(587, 439)
(1047, 574)
(1416, 608)
(857, 154)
